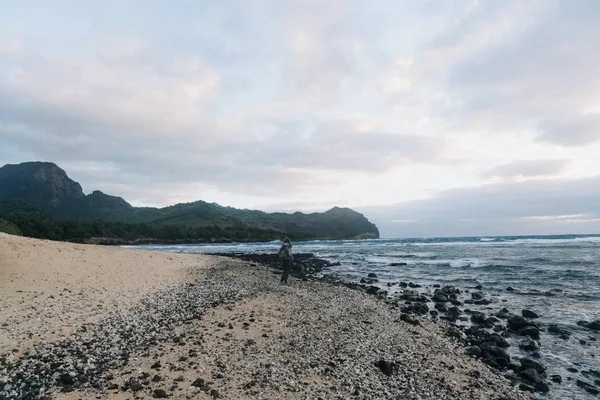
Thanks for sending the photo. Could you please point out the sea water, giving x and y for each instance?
(560, 274)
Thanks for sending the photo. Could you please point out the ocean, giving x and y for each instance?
(558, 277)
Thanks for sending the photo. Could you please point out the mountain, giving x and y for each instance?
(42, 188)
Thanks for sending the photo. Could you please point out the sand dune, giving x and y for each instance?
(48, 289)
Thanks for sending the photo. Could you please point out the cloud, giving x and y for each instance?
(577, 132)
(517, 208)
(526, 169)
(303, 102)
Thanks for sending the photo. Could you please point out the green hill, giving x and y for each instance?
(40, 194)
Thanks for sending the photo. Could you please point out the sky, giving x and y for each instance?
(432, 118)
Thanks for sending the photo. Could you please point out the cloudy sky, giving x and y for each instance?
(433, 118)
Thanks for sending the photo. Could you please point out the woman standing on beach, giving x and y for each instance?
(286, 257)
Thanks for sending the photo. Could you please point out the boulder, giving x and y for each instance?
(556, 378)
(372, 275)
(530, 331)
(478, 317)
(529, 345)
(439, 298)
(530, 375)
(594, 325)
(529, 363)
(529, 314)
(587, 387)
(386, 367)
(477, 295)
(517, 323)
(474, 351)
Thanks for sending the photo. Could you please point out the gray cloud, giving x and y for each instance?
(532, 207)
(577, 132)
(527, 168)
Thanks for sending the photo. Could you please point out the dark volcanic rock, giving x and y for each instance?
(542, 387)
(416, 308)
(160, 394)
(517, 323)
(529, 345)
(529, 314)
(386, 367)
(595, 325)
(439, 298)
(530, 375)
(553, 328)
(528, 363)
(526, 388)
(372, 275)
(474, 351)
(198, 383)
(530, 331)
(556, 378)
(587, 387)
(478, 317)
(477, 295)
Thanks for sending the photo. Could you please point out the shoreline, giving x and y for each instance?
(227, 329)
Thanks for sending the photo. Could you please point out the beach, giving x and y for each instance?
(84, 321)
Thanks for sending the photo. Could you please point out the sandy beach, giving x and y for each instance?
(83, 321)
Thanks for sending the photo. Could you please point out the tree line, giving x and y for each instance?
(41, 225)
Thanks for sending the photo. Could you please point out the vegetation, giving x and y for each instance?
(9, 227)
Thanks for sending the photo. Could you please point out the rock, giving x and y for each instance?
(504, 313)
(416, 308)
(556, 378)
(530, 375)
(372, 275)
(529, 345)
(386, 367)
(156, 378)
(441, 307)
(572, 369)
(478, 317)
(474, 351)
(409, 319)
(528, 363)
(372, 290)
(440, 298)
(542, 387)
(398, 264)
(587, 387)
(530, 331)
(214, 393)
(156, 365)
(160, 394)
(595, 325)
(497, 340)
(134, 385)
(453, 312)
(66, 379)
(529, 314)
(198, 383)
(477, 295)
(526, 388)
(517, 323)
(553, 328)
(510, 289)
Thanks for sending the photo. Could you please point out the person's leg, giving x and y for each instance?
(282, 271)
(287, 265)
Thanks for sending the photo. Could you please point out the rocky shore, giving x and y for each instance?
(230, 330)
(467, 315)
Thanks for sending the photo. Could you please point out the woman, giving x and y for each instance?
(286, 257)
